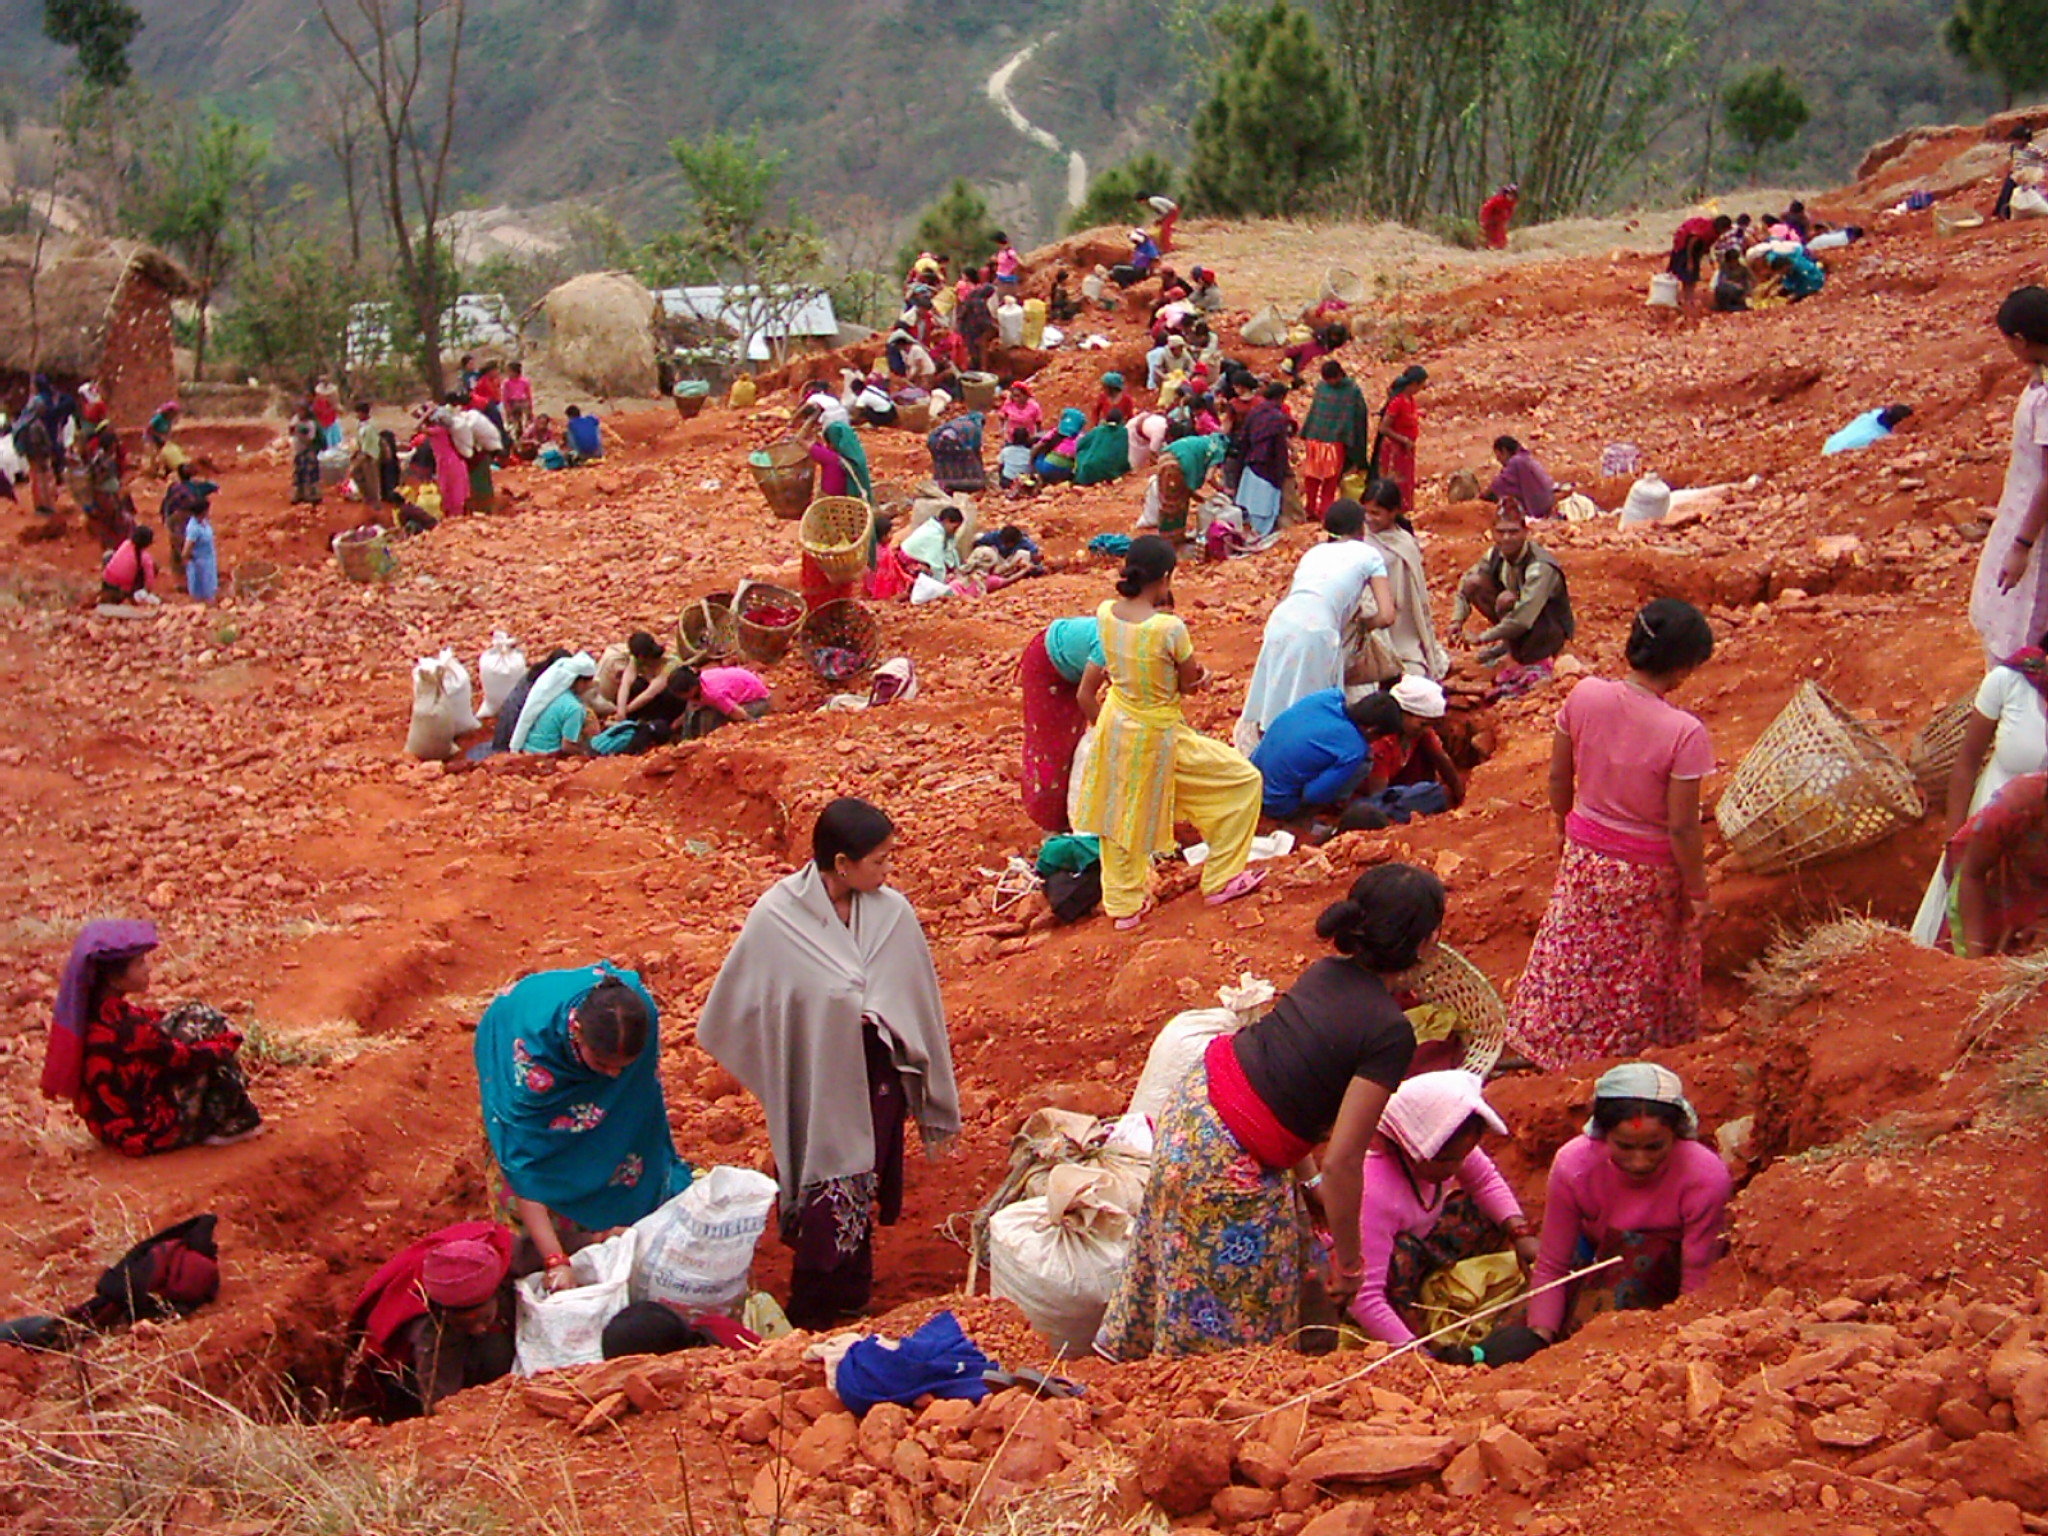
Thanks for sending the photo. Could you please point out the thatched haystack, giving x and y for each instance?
(93, 309)
(601, 334)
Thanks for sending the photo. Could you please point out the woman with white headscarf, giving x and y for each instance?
(553, 718)
(1431, 1199)
(1413, 632)
(1302, 651)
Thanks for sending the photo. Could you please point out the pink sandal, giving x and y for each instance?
(1243, 883)
(1126, 924)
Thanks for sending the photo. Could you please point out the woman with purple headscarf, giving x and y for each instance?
(143, 1080)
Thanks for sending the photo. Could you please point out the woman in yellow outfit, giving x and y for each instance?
(1148, 767)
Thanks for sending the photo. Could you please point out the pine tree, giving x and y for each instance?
(1279, 128)
(957, 227)
(1764, 107)
(2006, 39)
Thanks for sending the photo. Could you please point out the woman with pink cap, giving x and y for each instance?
(1431, 1199)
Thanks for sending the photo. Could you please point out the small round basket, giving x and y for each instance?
(1817, 784)
(1940, 742)
(978, 391)
(915, 417)
(768, 620)
(364, 554)
(1451, 981)
(840, 640)
(835, 534)
(786, 474)
(255, 578)
(707, 631)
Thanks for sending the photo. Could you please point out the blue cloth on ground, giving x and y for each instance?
(1110, 544)
(1399, 802)
(1311, 755)
(938, 1359)
(616, 739)
(1860, 433)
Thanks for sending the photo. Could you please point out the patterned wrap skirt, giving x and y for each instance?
(1053, 728)
(1218, 1251)
(1615, 968)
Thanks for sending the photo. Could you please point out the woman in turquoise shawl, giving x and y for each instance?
(845, 442)
(567, 1065)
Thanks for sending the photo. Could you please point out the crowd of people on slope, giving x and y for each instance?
(1740, 257)
(633, 696)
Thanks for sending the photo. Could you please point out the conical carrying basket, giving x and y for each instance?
(835, 534)
(1451, 981)
(1817, 784)
(786, 474)
(1940, 742)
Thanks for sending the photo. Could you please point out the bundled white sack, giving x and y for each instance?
(440, 705)
(1058, 1255)
(1010, 322)
(458, 684)
(499, 670)
(696, 1251)
(563, 1328)
(1186, 1036)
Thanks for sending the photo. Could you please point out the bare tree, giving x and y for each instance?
(408, 55)
(337, 113)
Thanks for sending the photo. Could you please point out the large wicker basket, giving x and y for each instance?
(786, 473)
(916, 416)
(978, 391)
(254, 579)
(364, 554)
(1818, 783)
(841, 639)
(1451, 981)
(707, 631)
(836, 532)
(1934, 751)
(763, 638)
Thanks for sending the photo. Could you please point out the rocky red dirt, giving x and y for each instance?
(1869, 1359)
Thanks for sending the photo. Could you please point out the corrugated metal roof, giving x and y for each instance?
(747, 316)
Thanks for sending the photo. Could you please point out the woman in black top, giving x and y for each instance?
(1216, 1255)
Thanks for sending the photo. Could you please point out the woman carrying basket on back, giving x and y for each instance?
(1615, 968)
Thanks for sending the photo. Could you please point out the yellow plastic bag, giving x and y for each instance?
(1353, 485)
(1469, 1286)
(743, 393)
(1434, 1021)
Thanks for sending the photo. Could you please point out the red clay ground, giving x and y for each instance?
(236, 773)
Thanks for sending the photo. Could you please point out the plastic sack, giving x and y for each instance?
(1649, 499)
(566, 1328)
(456, 677)
(695, 1251)
(1010, 322)
(1471, 1285)
(499, 670)
(1058, 1256)
(439, 707)
(1179, 1045)
(928, 588)
(2029, 203)
(1265, 329)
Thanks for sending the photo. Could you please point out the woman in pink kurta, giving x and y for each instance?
(450, 472)
(2009, 600)
(1638, 1187)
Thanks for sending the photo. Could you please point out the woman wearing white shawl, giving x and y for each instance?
(1413, 634)
(831, 986)
(556, 681)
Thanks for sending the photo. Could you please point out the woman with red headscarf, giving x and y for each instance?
(144, 1081)
(435, 1319)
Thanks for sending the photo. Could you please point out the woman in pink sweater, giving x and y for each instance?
(1638, 1186)
(1412, 1221)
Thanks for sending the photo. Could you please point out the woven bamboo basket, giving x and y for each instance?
(915, 417)
(766, 643)
(978, 391)
(1451, 981)
(364, 554)
(786, 474)
(835, 534)
(255, 578)
(1818, 783)
(707, 631)
(841, 639)
(1932, 757)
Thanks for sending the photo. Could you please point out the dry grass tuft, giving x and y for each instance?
(150, 1449)
(2024, 977)
(1090, 1499)
(269, 1046)
(1784, 977)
